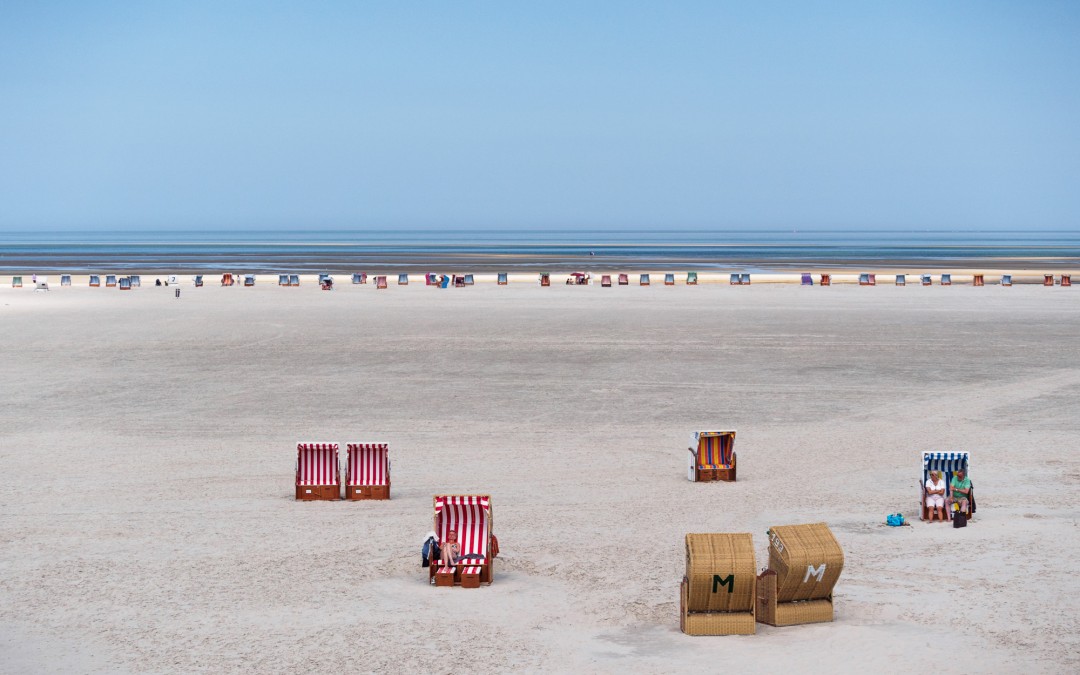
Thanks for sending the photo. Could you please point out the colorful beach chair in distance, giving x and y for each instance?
(807, 280)
(1006, 280)
(946, 280)
(605, 281)
(1048, 280)
(669, 279)
(826, 280)
(643, 280)
(65, 279)
(380, 282)
(927, 280)
(95, 281)
(977, 280)
(125, 283)
(198, 279)
(624, 280)
(805, 562)
(691, 278)
(249, 280)
(283, 280)
(744, 279)
(226, 279)
(901, 280)
(868, 279)
(16, 282)
(469, 280)
(367, 471)
(431, 279)
(136, 280)
(711, 457)
(947, 463)
(545, 279)
(294, 279)
(359, 278)
(735, 279)
(502, 279)
(470, 516)
(318, 474)
(403, 280)
(717, 593)
(110, 281)
(1066, 280)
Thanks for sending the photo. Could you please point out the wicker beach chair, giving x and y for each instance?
(901, 280)
(977, 280)
(367, 471)
(624, 280)
(502, 279)
(318, 475)
(605, 281)
(717, 593)
(947, 463)
(807, 280)
(471, 517)
(643, 280)
(805, 562)
(691, 278)
(669, 279)
(711, 457)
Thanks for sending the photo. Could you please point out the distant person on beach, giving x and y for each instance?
(450, 550)
(935, 495)
(961, 490)
(178, 291)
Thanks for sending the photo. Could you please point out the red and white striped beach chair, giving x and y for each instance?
(469, 516)
(318, 475)
(367, 471)
(380, 282)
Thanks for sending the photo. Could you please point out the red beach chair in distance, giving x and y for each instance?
(380, 282)
(711, 456)
(545, 279)
(359, 278)
(470, 517)
(367, 471)
(1066, 280)
(605, 281)
(318, 475)
(226, 280)
(977, 280)
(624, 280)
(430, 279)
(1048, 280)
(826, 280)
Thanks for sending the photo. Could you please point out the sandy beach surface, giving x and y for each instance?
(147, 445)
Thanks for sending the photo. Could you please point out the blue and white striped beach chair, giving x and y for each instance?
(947, 463)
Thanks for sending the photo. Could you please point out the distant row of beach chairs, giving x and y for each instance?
(326, 281)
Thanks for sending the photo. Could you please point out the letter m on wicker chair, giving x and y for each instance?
(470, 517)
(711, 456)
(318, 475)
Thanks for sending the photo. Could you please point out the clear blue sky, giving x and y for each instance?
(626, 115)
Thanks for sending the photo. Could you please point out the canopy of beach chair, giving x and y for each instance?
(368, 464)
(807, 280)
(470, 517)
(317, 464)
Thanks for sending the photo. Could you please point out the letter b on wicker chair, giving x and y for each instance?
(717, 594)
(805, 562)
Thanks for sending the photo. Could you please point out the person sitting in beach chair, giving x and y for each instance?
(960, 492)
(450, 550)
(935, 496)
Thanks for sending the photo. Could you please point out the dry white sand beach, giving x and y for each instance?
(147, 519)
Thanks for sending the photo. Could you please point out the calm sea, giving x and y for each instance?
(342, 251)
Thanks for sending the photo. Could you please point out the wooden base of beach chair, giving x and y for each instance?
(770, 612)
(713, 475)
(712, 623)
(444, 576)
(318, 492)
(470, 577)
(358, 492)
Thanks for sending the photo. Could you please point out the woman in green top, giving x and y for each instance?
(960, 490)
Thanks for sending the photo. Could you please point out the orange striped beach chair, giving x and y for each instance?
(711, 457)
(367, 471)
(470, 517)
(318, 475)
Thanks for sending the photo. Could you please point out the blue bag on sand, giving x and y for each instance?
(895, 519)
